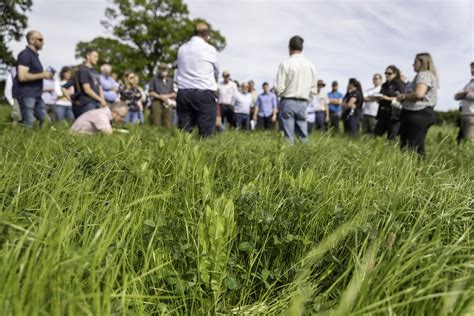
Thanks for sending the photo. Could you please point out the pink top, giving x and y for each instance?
(92, 122)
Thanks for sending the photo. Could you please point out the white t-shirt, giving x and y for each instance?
(243, 103)
(371, 108)
(227, 92)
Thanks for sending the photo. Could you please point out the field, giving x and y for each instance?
(157, 222)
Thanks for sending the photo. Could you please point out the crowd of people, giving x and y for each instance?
(192, 95)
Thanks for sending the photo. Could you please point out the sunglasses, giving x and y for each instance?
(389, 73)
(39, 39)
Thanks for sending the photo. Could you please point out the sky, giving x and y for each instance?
(343, 38)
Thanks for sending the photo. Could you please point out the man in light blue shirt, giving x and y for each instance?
(335, 101)
(108, 84)
(266, 109)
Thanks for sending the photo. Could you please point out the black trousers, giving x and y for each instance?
(386, 123)
(196, 107)
(414, 128)
(265, 123)
(351, 125)
(227, 114)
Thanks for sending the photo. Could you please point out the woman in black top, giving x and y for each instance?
(131, 95)
(352, 107)
(388, 117)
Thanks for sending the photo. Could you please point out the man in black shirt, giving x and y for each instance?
(88, 94)
(162, 92)
(28, 83)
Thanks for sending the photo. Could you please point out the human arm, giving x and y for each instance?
(9, 90)
(24, 74)
(257, 107)
(280, 81)
(350, 104)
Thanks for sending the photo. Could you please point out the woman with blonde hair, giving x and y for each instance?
(131, 95)
(418, 104)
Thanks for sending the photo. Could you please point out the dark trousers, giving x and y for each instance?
(265, 123)
(227, 115)
(321, 120)
(242, 121)
(368, 124)
(351, 125)
(414, 128)
(386, 123)
(311, 127)
(79, 110)
(335, 117)
(196, 107)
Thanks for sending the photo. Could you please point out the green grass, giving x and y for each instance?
(158, 222)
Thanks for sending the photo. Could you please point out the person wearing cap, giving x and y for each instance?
(295, 84)
(227, 91)
(108, 84)
(335, 101)
(28, 84)
(197, 83)
(265, 113)
(371, 106)
(243, 102)
(161, 90)
(322, 107)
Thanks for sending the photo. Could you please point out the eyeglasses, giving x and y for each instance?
(39, 39)
(389, 73)
(131, 77)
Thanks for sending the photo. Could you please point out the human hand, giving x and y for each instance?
(102, 103)
(47, 75)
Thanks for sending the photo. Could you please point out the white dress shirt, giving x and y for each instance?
(197, 65)
(227, 92)
(371, 108)
(243, 103)
(296, 78)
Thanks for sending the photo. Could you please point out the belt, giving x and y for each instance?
(195, 90)
(295, 99)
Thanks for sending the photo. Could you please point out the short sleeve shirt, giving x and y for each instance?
(162, 86)
(431, 98)
(131, 97)
(92, 77)
(335, 107)
(30, 89)
(359, 100)
(92, 122)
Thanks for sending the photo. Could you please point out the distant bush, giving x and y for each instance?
(447, 118)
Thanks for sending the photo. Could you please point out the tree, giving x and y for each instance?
(13, 22)
(146, 33)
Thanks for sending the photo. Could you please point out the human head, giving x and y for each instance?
(377, 79)
(129, 78)
(353, 85)
(163, 70)
(119, 111)
(321, 85)
(91, 56)
(472, 69)
(251, 85)
(266, 87)
(202, 30)
(335, 86)
(35, 39)
(392, 72)
(226, 76)
(296, 44)
(65, 73)
(424, 62)
(106, 70)
(245, 87)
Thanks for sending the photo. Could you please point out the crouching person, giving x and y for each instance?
(100, 120)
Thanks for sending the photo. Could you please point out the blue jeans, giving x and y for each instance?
(293, 118)
(134, 117)
(79, 110)
(321, 120)
(242, 121)
(31, 108)
(63, 112)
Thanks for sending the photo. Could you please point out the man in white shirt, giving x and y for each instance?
(197, 83)
(242, 105)
(227, 92)
(371, 106)
(296, 84)
(466, 96)
(11, 99)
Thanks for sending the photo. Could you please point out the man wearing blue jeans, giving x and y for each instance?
(296, 84)
(29, 81)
